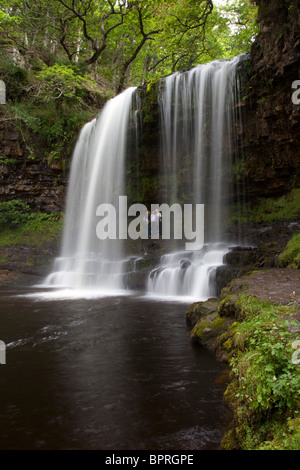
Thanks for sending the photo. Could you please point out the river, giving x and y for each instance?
(109, 373)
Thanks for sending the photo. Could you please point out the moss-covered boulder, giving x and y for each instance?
(208, 329)
(207, 324)
(290, 257)
(199, 310)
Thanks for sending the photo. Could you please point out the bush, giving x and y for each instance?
(290, 257)
(13, 213)
(53, 130)
(15, 78)
(62, 83)
(20, 226)
(269, 209)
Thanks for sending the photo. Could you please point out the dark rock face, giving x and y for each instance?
(270, 134)
(31, 180)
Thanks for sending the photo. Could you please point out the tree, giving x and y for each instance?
(144, 30)
(240, 17)
(60, 83)
(98, 20)
(127, 42)
(158, 30)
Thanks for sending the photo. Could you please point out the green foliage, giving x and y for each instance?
(13, 213)
(266, 380)
(270, 209)
(282, 208)
(128, 43)
(8, 161)
(6, 18)
(290, 257)
(207, 329)
(58, 102)
(19, 225)
(57, 129)
(61, 82)
(15, 77)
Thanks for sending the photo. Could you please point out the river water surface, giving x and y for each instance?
(107, 373)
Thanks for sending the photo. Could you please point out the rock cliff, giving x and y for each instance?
(26, 177)
(270, 134)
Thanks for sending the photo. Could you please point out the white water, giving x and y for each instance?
(187, 275)
(197, 109)
(97, 177)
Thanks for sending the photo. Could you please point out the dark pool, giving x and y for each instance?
(110, 373)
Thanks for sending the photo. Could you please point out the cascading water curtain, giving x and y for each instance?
(197, 112)
(97, 177)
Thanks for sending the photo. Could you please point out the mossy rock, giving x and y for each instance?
(224, 346)
(229, 441)
(290, 257)
(230, 307)
(208, 329)
(198, 310)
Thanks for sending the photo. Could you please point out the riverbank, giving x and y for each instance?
(255, 327)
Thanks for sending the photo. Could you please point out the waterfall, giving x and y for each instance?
(197, 109)
(197, 125)
(96, 177)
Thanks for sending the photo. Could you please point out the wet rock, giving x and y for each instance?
(184, 264)
(7, 277)
(226, 273)
(200, 310)
(207, 331)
